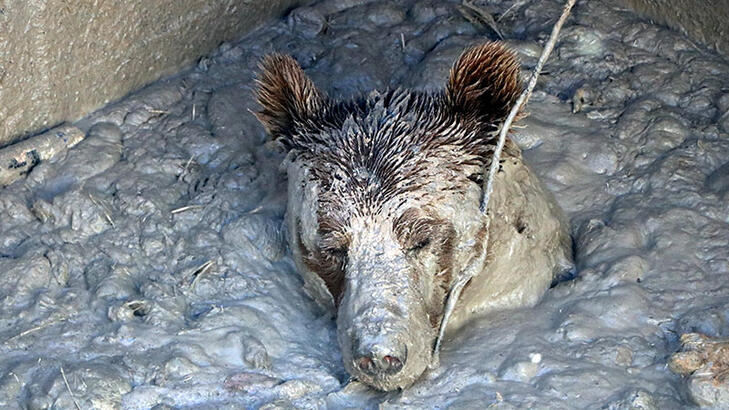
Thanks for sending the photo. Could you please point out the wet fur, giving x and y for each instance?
(362, 150)
(404, 170)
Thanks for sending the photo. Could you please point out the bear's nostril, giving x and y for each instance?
(366, 365)
(384, 357)
(393, 364)
(373, 364)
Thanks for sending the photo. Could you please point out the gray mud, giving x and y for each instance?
(147, 266)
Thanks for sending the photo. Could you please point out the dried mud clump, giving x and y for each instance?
(705, 363)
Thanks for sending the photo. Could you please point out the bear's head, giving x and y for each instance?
(383, 201)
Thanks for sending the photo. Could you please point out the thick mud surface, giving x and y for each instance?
(148, 267)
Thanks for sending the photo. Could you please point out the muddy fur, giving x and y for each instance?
(383, 211)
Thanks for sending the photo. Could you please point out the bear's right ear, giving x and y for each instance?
(286, 94)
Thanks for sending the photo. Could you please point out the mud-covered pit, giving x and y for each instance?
(148, 266)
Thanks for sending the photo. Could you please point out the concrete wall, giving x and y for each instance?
(60, 59)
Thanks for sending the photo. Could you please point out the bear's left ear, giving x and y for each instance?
(484, 83)
(287, 96)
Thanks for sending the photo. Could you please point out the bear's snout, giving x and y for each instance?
(383, 328)
(381, 357)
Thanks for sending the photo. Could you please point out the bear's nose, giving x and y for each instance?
(380, 359)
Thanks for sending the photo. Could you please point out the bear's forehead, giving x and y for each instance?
(379, 111)
(348, 189)
(395, 125)
(395, 146)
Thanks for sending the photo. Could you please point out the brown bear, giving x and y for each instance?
(383, 210)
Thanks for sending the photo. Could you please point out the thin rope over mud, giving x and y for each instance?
(471, 270)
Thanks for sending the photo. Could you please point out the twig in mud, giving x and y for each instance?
(186, 208)
(479, 17)
(104, 209)
(31, 330)
(68, 387)
(255, 210)
(126, 271)
(523, 98)
(43, 302)
(402, 41)
(516, 5)
(200, 271)
(20, 158)
(471, 269)
(185, 168)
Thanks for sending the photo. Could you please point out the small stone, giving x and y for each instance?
(582, 97)
(120, 313)
(179, 367)
(635, 400)
(255, 353)
(106, 131)
(386, 15)
(296, 388)
(137, 117)
(706, 391)
(723, 102)
(718, 181)
(623, 356)
(685, 363)
(629, 269)
(422, 12)
(152, 245)
(724, 122)
(248, 381)
(520, 372)
(307, 21)
(535, 357)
